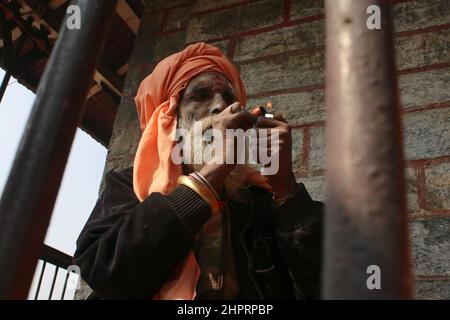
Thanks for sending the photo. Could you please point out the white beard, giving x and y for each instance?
(234, 182)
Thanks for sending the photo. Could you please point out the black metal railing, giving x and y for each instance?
(27, 202)
(51, 256)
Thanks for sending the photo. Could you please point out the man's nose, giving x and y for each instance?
(218, 104)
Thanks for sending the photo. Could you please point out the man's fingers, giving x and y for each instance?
(279, 117)
(263, 122)
(244, 119)
(232, 108)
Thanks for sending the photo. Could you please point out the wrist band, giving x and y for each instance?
(202, 191)
(202, 179)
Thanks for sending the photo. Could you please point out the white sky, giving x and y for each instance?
(79, 188)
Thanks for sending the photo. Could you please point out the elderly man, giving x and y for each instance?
(216, 230)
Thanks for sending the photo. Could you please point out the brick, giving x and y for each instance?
(178, 18)
(305, 8)
(150, 48)
(437, 179)
(317, 149)
(297, 148)
(315, 187)
(140, 53)
(163, 46)
(124, 141)
(157, 5)
(237, 19)
(168, 45)
(126, 113)
(303, 36)
(132, 81)
(203, 5)
(431, 246)
(150, 24)
(433, 289)
(411, 190)
(423, 49)
(115, 164)
(146, 70)
(296, 108)
(413, 15)
(222, 45)
(159, 49)
(126, 131)
(427, 134)
(421, 89)
(118, 164)
(283, 73)
(317, 162)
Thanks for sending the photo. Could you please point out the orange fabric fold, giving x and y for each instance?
(156, 103)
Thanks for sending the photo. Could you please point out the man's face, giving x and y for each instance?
(207, 94)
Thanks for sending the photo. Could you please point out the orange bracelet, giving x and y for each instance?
(202, 191)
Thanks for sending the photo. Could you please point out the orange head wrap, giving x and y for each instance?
(156, 101)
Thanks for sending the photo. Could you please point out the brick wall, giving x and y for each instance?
(279, 47)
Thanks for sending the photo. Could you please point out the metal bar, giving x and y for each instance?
(4, 85)
(55, 275)
(366, 220)
(40, 280)
(65, 285)
(55, 257)
(30, 192)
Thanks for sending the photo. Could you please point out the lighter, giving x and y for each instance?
(261, 111)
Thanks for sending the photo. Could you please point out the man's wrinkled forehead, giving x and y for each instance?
(209, 80)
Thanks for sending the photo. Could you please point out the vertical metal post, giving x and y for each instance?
(63, 292)
(4, 84)
(366, 220)
(30, 192)
(41, 275)
(55, 275)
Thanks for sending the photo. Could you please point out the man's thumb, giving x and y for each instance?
(233, 108)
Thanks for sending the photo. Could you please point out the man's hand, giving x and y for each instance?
(283, 182)
(233, 117)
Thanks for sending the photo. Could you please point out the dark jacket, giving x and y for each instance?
(128, 248)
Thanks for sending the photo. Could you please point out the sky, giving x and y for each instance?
(79, 188)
